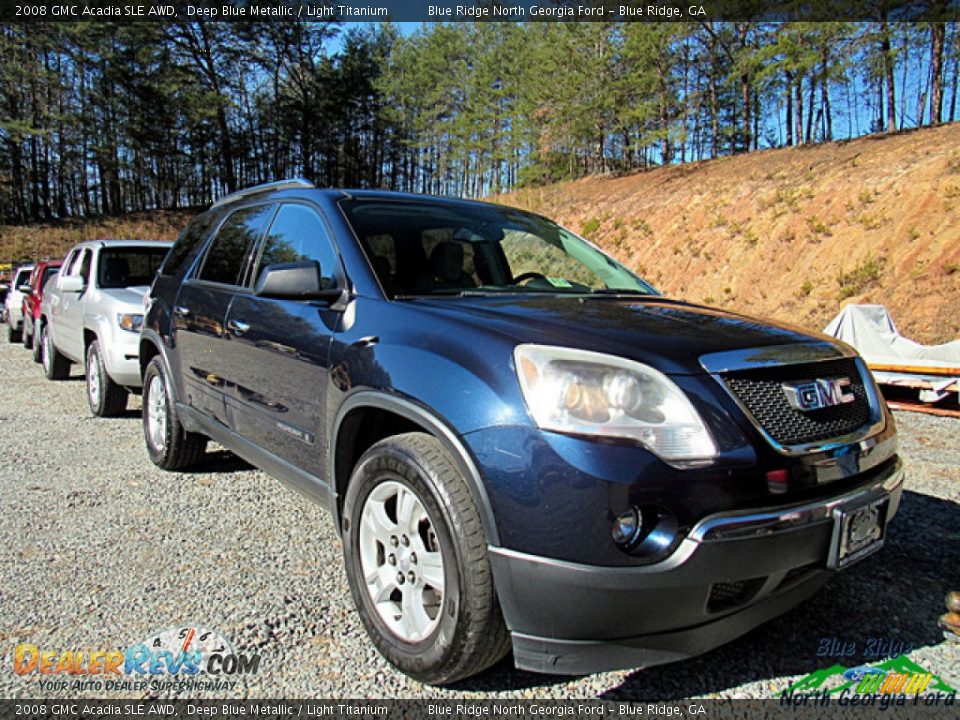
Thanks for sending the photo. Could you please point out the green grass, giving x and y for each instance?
(864, 275)
(590, 227)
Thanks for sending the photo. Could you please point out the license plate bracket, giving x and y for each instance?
(858, 531)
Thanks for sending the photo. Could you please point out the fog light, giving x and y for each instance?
(626, 527)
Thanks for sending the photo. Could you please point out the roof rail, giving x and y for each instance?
(279, 185)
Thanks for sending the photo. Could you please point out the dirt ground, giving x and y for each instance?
(791, 234)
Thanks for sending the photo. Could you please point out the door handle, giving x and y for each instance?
(181, 311)
(237, 327)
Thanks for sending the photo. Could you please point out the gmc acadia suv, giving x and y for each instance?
(522, 443)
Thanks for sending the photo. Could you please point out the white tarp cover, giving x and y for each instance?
(870, 329)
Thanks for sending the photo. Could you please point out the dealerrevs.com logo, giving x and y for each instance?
(174, 658)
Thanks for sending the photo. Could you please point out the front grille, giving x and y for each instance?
(761, 392)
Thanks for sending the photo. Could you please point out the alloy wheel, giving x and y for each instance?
(401, 561)
(157, 413)
(93, 379)
(46, 350)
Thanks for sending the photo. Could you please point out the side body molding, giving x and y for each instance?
(436, 426)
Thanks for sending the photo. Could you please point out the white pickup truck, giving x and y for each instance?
(92, 313)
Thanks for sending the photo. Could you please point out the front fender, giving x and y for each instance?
(151, 340)
(436, 426)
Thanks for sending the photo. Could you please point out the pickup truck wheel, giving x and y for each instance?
(14, 336)
(106, 398)
(36, 343)
(169, 445)
(55, 365)
(417, 563)
(26, 337)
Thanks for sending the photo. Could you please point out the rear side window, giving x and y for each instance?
(297, 234)
(188, 240)
(227, 255)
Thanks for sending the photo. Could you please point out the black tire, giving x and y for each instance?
(105, 397)
(180, 449)
(470, 635)
(36, 343)
(55, 365)
(26, 337)
(13, 335)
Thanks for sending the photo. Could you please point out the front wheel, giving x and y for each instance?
(169, 445)
(14, 335)
(417, 562)
(55, 365)
(105, 397)
(26, 337)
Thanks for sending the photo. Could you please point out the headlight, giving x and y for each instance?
(587, 393)
(130, 321)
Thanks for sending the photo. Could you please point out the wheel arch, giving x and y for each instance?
(354, 430)
(151, 345)
(89, 335)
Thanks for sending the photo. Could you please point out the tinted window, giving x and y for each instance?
(296, 234)
(84, 270)
(23, 277)
(188, 240)
(228, 252)
(128, 267)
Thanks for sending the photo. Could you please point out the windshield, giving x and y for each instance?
(129, 266)
(423, 248)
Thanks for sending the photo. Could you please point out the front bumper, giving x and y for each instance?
(731, 573)
(121, 357)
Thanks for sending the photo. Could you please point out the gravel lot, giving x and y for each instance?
(98, 548)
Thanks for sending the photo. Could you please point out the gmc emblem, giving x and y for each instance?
(808, 395)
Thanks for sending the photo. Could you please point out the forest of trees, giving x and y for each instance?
(106, 119)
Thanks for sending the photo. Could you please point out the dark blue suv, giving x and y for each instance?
(522, 444)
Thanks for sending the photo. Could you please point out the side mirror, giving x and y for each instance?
(71, 283)
(25, 289)
(292, 281)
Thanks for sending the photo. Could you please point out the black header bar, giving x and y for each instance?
(477, 10)
(820, 707)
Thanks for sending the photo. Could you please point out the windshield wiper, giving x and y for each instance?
(620, 291)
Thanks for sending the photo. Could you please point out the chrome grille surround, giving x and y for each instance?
(763, 362)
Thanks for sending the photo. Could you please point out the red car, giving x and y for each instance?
(42, 272)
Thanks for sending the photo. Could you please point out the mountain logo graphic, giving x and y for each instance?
(897, 675)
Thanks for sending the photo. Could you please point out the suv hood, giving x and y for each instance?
(132, 296)
(668, 335)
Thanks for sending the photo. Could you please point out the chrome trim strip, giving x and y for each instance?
(736, 527)
(773, 355)
(749, 525)
(862, 434)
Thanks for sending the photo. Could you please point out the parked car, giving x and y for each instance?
(33, 297)
(13, 304)
(92, 314)
(521, 442)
